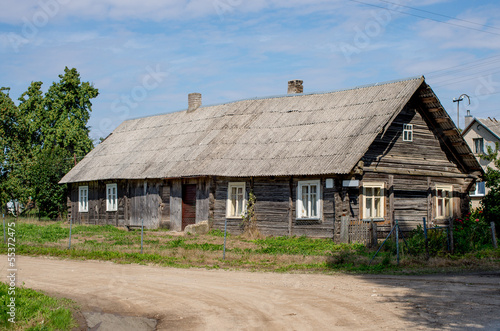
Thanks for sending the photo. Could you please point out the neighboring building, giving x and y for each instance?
(480, 133)
(380, 152)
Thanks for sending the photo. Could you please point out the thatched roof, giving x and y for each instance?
(299, 134)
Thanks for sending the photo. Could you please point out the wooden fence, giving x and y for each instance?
(352, 231)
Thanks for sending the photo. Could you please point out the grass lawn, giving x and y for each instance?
(278, 254)
(34, 311)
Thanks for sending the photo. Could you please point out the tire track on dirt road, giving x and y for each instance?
(199, 299)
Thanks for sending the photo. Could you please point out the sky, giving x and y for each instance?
(145, 57)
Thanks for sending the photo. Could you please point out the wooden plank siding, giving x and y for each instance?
(402, 166)
(272, 207)
(133, 203)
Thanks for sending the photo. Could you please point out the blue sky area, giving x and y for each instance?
(146, 56)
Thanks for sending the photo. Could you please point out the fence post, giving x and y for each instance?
(374, 233)
(452, 244)
(493, 235)
(225, 233)
(426, 240)
(70, 226)
(397, 241)
(142, 232)
(4, 236)
(344, 229)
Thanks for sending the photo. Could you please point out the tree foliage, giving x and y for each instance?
(39, 139)
(491, 202)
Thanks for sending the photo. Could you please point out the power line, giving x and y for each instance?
(442, 15)
(426, 18)
(467, 75)
(460, 81)
(468, 64)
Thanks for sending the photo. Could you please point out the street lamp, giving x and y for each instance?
(457, 100)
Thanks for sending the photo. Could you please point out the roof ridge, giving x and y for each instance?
(288, 95)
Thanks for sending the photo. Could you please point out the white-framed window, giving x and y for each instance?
(236, 200)
(408, 132)
(373, 200)
(83, 199)
(111, 197)
(444, 201)
(480, 190)
(308, 199)
(478, 145)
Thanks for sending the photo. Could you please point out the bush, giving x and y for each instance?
(437, 241)
(472, 233)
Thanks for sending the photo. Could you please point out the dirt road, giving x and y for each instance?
(194, 299)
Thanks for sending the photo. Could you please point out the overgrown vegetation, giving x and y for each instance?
(491, 202)
(265, 254)
(35, 311)
(470, 234)
(249, 222)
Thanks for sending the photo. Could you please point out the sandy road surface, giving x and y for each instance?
(197, 299)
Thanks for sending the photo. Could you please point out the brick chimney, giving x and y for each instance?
(295, 86)
(468, 118)
(194, 101)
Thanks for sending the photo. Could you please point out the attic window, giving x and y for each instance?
(478, 145)
(408, 132)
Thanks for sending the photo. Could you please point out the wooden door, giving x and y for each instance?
(188, 205)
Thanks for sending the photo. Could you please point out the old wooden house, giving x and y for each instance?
(373, 153)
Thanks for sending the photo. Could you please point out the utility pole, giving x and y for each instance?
(457, 100)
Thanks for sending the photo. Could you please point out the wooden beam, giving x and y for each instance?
(451, 132)
(442, 119)
(458, 144)
(429, 100)
(467, 156)
(433, 110)
(416, 172)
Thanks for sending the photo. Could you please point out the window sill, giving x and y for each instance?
(83, 211)
(307, 221)
(235, 217)
(477, 196)
(373, 219)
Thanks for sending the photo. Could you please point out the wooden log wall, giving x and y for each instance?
(134, 203)
(273, 208)
(411, 171)
(165, 204)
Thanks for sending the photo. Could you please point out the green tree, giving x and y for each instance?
(40, 138)
(12, 177)
(491, 202)
(67, 107)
